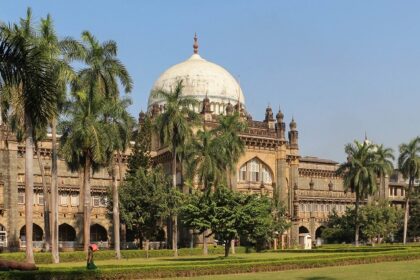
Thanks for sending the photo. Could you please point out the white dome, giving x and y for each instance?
(200, 78)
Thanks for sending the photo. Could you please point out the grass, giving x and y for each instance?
(164, 266)
(409, 270)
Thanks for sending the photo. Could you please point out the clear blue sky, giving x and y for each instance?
(341, 68)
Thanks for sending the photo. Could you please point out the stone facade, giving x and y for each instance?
(271, 164)
(12, 199)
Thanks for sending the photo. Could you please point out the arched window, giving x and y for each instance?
(255, 171)
(254, 166)
(266, 175)
(242, 173)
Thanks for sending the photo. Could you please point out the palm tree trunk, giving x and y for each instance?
(121, 178)
(46, 203)
(227, 248)
(116, 213)
(407, 209)
(232, 246)
(29, 189)
(54, 193)
(86, 204)
(356, 218)
(205, 247)
(174, 217)
(147, 248)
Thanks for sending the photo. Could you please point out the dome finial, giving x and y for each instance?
(195, 46)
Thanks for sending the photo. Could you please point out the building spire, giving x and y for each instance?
(195, 46)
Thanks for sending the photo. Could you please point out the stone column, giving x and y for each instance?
(9, 166)
(281, 182)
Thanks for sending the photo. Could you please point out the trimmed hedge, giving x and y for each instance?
(80, 256)
(210, 267)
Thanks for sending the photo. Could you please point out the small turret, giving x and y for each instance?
(269, 119)
(280, 126)
(206, 106)
(142, 117)
(293, 134)
(206, 110)
(229, 109)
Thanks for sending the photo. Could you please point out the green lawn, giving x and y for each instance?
(404, 270)
(295, 264)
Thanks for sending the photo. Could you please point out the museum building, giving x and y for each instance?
(271, 165)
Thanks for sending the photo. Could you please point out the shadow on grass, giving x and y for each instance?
(204, 259)
(317, 278)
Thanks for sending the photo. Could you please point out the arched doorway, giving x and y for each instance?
(305, 239)
(66, 233)
(318, 235)
(37, 234)
(303, 229)
(98, 233)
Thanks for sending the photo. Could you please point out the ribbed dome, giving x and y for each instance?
(200, 78)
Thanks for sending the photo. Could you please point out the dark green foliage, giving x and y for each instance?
(376, 220)
(278, 211)
(140, 152)
(230, 214)
(380, 221)
(146, 196)
(365, 161)
(145, 202)
(340, 229)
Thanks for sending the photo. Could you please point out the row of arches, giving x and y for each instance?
(318, 231)
(66, 233)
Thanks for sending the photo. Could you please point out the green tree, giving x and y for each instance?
(99, 81)
(140, 151)
(340, 228)
(84, 144)
(229, 214)
(103, 71)
(280, 221)
(230, 142)
(360, 174)
(32, 77)
(147, 197)
(206, 162)
(409, 166)
(144, 203)
(55, 50)
(174, 129)
(385, 156)
(379, 221)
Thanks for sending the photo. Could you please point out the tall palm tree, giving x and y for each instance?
(360, 174)
(119, 127)
(36, 88)
(54, 49)
(84, 144)
(103, 69)
(409, 166)
(174, 129)
(204, 161)
(386, 157)
(230, 141)
(99, 79)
